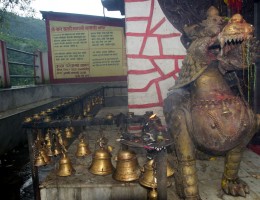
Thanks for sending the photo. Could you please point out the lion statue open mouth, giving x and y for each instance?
(202, 113)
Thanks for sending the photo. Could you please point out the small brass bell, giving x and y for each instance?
(88, 109)
(101, 162)
(148, 178)
(153, 194)
(127, 167)
(65, 166)
(45, 156)
(49, 110)
(49, 151)
(36, 116)
(93, 103)
(68, 133)
(47, 118)
(39, 161)
(65, 142)
(56, 150)
(83, 149)
(27, 120)
(43, 113)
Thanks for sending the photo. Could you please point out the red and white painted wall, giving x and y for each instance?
(154, 55)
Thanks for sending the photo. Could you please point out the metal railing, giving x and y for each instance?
(26, 78)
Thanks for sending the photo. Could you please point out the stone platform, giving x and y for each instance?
(84, 185)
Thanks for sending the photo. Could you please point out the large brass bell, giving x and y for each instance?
(65, 166)
(101, 162)
(127, 167)
(148, 178)
(83, 148)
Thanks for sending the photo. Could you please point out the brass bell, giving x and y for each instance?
(36, 116)
(93, 103)
(65, 142)
(83, 149)
(148, 178)
(45, 156)
(101, 162)
(88, 109)
(49, 110)
(49, 151)
(101, 100)
(65, 166)
(27, 120)
(68, 133)
(43, 113)
(47, 118)
(39, 161)
(56, 150)
(127, 167)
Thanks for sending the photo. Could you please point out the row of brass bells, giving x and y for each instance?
(148, 178)
(101, 162)
(127, 167)
(65, 166)
(82, 149)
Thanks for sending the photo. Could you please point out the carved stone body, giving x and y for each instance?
(202, 111)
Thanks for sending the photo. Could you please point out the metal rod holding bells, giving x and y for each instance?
(161, 168)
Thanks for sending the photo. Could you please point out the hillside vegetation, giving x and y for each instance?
(25, 34)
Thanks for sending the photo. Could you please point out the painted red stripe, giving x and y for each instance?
(155, 56)
(157, 25)
(135, 34)
(129, 19)
(158, 69)
(147, 28)
(171, 35)
(158, 90)
(148, 105)
(144, 89)
(134, 128)
(132, 1)
(160, 46)
(41, 63)
(139, 72)
(4, 62)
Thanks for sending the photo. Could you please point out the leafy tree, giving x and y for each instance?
(21, 7)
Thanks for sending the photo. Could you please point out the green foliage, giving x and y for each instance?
(25, 34)
(18, 7)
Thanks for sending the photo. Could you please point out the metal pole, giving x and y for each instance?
(161, 173)
(34, 170)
